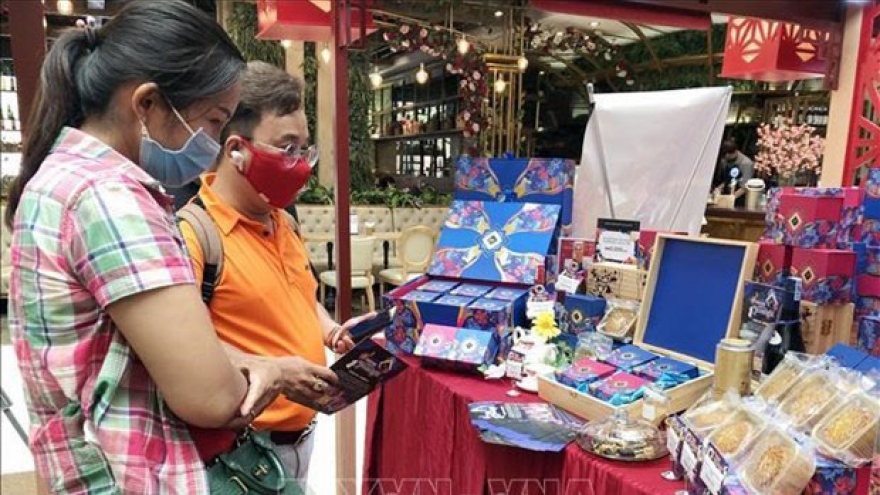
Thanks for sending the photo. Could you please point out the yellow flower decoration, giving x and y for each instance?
(545, 327)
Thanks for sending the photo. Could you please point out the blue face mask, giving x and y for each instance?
(175, 168)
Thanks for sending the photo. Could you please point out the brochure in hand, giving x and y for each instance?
(532, 426)
(360, 371)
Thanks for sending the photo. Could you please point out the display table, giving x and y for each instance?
(737, 223)
(419, 440)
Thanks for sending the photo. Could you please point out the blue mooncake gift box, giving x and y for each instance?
(461, 349)
(484, 249)
(629, 357)
(583, 312)
(518, 180)
(583, 372)
(654, 370)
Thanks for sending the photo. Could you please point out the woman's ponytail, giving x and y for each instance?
(57, 104)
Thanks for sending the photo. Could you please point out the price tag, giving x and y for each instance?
(688, 458)
(673, 441)
(567, 284)
(649, 412)
(713, 470)
(534, 308)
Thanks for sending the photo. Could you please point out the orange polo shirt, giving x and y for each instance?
(265, 300)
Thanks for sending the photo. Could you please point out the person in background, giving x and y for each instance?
(115, 347)
(265, 301)
(733, 165)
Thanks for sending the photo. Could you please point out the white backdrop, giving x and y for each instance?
(650, 157)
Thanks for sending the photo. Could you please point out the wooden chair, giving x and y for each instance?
(414, 250)
(361, 270)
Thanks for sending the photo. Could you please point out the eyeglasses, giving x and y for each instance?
(309, 154)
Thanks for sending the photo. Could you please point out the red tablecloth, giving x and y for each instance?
(419, 441)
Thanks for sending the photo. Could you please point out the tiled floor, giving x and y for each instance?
(16, 462)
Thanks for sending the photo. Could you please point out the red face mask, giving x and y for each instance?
(275, 176)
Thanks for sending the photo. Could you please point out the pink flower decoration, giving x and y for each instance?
(404, 29)
(423, 33)
(477, 75)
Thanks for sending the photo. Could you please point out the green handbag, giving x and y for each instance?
(253, 467)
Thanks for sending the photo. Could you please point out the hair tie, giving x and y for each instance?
(91, 37)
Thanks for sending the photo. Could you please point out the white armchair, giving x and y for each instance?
(361, 270)
(414, 250)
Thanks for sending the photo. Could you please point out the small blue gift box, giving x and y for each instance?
(470, 290)
(583, 312)
(441, 286)
(847, 356)
(629, 357)
(469, 349)
(654, 370)
(421, 296)
(457, 301)
(506, 294)
(583, 372)
(519, 180)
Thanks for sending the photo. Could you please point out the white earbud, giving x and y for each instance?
(237, 159)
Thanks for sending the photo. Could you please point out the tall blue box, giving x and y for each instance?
(496, 245)
(518, 180)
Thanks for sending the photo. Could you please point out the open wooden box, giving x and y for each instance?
(693, 300)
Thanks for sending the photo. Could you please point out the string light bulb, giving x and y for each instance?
(422, 75)
(500, 85)
(65, 7)
(463, 46)
(376, 78)
(325, 54)
(522, 63)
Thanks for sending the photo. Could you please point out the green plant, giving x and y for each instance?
(360, 98)
(242, 27)
(316, 194)
(310, 92)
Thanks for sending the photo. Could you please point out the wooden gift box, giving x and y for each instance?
(616, 281)
(823, 326)
(693, 300)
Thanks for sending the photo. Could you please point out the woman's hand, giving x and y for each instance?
(265, 383)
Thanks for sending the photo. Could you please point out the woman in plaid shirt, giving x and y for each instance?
(115, 346)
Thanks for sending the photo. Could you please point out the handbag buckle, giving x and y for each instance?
(241, 485)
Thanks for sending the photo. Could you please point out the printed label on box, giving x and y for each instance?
(713, 470)
(615, 240)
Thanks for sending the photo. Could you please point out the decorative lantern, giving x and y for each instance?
(763, 50)
(304, 20)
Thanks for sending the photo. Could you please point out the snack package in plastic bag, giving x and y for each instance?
(793, 365)
(710, 412)
(816, 392)
(849, 431)
(737, 434)
(620, 319)
(776, 464)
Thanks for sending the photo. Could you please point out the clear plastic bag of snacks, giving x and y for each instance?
(738, 432)
(622, 438)
(710, 412)
(812, 396)
(776, 464)
(620, 319)
(849, 431)
(775, 386)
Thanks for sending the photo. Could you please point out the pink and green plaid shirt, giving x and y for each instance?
(93, 228)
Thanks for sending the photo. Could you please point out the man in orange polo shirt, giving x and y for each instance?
(265, 301)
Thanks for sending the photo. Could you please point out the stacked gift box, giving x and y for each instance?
(495, 245)
(818, 235)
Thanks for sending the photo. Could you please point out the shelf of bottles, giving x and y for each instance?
(10, 124)
(811, 109)
(414, 125)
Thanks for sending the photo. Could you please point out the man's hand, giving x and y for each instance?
(264, 384)
(302, 380)
(339, 340)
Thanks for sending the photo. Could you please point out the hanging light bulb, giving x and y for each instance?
(65, 7)
(500, 85)
(286, 44)
(522, 63)
(463, 46)
(422, 75)
(325, 54)
(376, 78)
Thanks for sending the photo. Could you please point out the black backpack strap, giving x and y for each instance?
(195, 214)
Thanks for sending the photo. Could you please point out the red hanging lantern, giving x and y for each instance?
(306, 20)
(772, 51)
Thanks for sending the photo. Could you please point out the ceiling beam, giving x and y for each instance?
(647, 42)
(808, 12)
